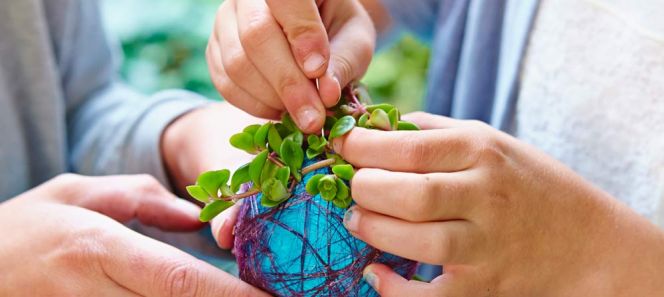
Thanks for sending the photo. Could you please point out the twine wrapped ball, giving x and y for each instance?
(301, 248)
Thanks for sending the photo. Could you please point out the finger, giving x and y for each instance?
(443, 150)
(152, 268)
(415, 197)
(427, 121)
(305, 32)
(352, 44)
(264, 43)
(390, 284)
(431, 242)
(126, 197)
(232, 92)
(236, 63)
(223, 225)
(329, 89)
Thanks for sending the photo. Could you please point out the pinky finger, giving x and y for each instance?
(232, 92)
(390, 284)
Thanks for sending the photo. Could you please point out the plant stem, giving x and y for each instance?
(241, 196)
(355, 101)
(318, 165)
(273, 157)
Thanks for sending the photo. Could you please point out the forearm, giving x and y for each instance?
(198, 142)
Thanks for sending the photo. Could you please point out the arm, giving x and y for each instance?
(111, 128)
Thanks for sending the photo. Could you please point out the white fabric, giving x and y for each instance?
(592, 95)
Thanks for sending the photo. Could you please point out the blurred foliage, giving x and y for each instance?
(164, 47)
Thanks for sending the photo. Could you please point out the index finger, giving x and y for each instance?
(152, 268)
(302, 23)
(443, 150)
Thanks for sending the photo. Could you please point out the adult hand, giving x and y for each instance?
(263, 55)
(502, 218)
(60, 239)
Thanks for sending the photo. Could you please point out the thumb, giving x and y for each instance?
(302, 24)
(352, 47)
(126, 197)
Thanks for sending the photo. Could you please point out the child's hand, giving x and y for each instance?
(263, 55)
(503, 218)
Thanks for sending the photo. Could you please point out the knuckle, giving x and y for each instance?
(181, 279)
(83, 248)
(257, 30)
(442, 249)
(421, 207)
(416, 151)
(289, 86)
(148, 184)
(236, 63)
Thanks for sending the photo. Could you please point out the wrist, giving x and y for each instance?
(624, 255)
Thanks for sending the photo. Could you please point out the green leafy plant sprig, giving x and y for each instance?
(280, 150)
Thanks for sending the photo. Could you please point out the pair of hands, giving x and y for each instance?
(503, 218)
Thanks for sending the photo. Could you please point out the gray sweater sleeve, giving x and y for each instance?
(112, 129)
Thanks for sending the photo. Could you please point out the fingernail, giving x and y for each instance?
(370, 278)
(351, 220)
(307, 117)
(186, 207)
(313, 62)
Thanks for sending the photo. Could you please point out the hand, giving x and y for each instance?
(502, 218)
(60, 239)
(263, 55)
(198, 142)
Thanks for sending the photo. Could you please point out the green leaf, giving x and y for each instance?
(342, 190)
(292, 155)
(269, 203)
(256, 167)
(296, 137)
(269, 171)
(362, 122)
(343, 204)
(383, 106)
(329, 122)
(311, 153)
(244, 141)
(342, 126)
(213, 209)
(283, 131)
(379, 119)
(288, 122)
(403, 125)
(226, 191)
(345, 172)
(274, 190)
(338, 159)
(312, 184)
(328, 187)
(274, 139)
(198, 193)
(283, 175)
(393, 115)
(260, 138)
(252, 129)
(241, 176)
(211, 181)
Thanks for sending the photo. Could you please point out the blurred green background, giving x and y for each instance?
(164, 47)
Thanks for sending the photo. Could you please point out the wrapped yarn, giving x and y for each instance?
(301, 248)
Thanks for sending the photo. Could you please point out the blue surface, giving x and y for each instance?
(300, 266)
